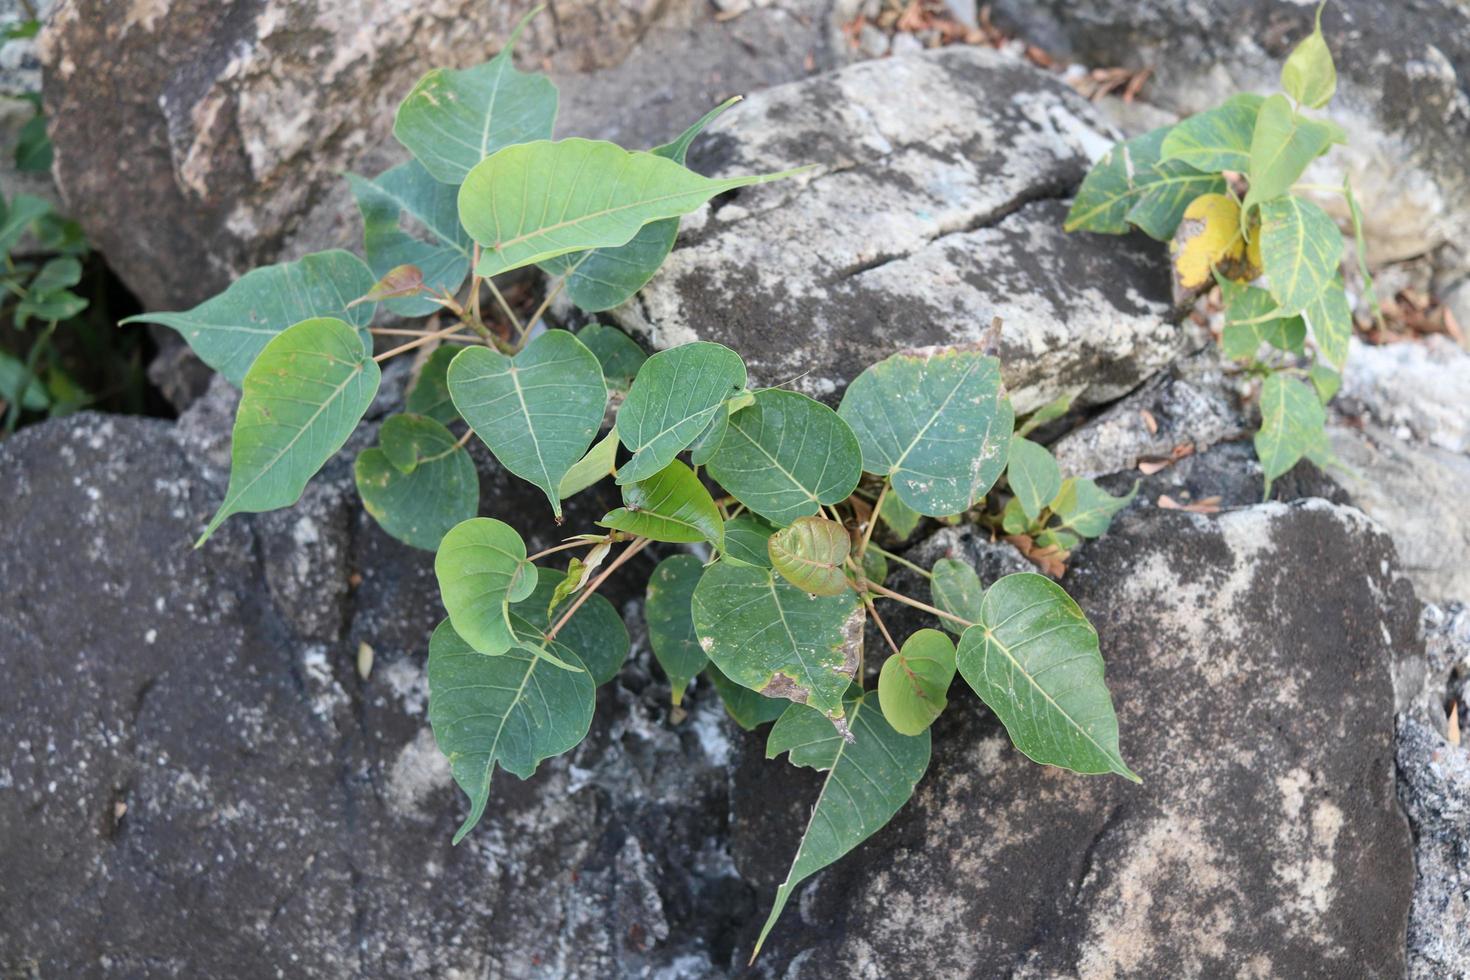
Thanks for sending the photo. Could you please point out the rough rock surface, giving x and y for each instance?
(1249, 657)
(924, 217)
(1402, 93)
(1434, 784)
(230, 123)
(1418, 390)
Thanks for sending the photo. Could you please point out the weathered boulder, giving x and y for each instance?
(1434, 785)
(1248, 655)
(935, 204)
(229, 125)
(1402, 88)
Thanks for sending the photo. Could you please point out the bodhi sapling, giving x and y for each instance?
(762, 501)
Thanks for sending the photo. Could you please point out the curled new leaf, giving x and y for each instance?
(810, 554)
(300, 400)
(482, 568)
(672, 505)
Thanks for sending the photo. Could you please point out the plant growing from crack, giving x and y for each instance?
(1224, 186)
(774, 572)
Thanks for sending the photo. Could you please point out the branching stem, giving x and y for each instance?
(633, 548)
(421, 341)
(925, 607)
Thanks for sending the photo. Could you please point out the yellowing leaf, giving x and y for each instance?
(1209, 236)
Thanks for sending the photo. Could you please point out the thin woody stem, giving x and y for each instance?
(551, 294)
(902, 561)
(878, 621)
(421, 341)
(888, 593)
(596, 583)
(510, 314)
(564, 546)
(873, 519)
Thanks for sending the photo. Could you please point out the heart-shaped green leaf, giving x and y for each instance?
(1131, 183)
(481, 566)
(409, 189)
(1283, 143)
(301, 399)
(1292, 421)
(1034, 475)
(230, 330)
(786, 454)
(671, 505)
(956, 589)
(1033, 659)
(766, 634)
(936, 422)
(606, 277)
(1301, 249)
(534, 201)
(537, 411)
(1216, 140)
(454, 118)
(913, 687)
(670, 615)
(869, 778)
(430, 393)
(1309, 75)
(516, 710)
(810, 554)
(595, 633)
(676, 394)
(420, 502)
(746, 539)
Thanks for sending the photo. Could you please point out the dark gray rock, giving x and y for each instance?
(1403, 91)
(1249, 658)
(1434, 785)
(935, 204)
(230, 124)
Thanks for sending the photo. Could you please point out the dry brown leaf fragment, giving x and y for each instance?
(1452, 727)
(1052, 560)
(1149, 422)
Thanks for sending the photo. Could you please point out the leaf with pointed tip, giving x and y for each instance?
(397, 283)
(597, 464)
(1034, 475)
(868, 780)
(670, 615)
(936, 422)
(672, 505)
(1084, 507)
(766, 634)
(1292, 421)
(621, 358)
(482, 568)
(1249, 322)
(437, 489)
(430, 393)
(1283, 143)
(454, 118)
(913, 687)
(1309, 75)
(1332, 323)
(1131, 184)
(786, 454)
(607, 277)
(1216, 140)
(810, 555)
(956, 589)
(537, 411)
(443, 259)
(300, 401)
(1033, 659)
(746, 537)
(230, 330)
(748, 709)
(534, 201)
(595, 633)
(676, 394)
(1049, 412)
(513, 710)
(1301, 249)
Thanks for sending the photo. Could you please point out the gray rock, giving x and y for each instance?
(1417, 492)
(230, 124)
(1417, 390)
(1249, 658)
(1401, 88)
(936, 203)
(1434, 786)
